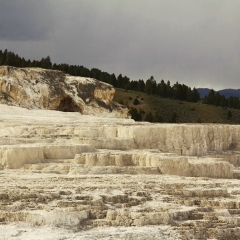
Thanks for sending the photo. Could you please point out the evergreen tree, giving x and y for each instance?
(113, 80)
(210, 98)
(120, 81)
(157, 118)
(229, 115)
(150, 85)
(223, 102)
(173, 118)
(195, 95)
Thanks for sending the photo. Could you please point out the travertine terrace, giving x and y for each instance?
(72, 175)
(69, 176)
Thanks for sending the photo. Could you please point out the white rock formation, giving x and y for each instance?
(49, 89)
(72, 176)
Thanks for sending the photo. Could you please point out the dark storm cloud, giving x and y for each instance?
(23, 20)
(193, 42)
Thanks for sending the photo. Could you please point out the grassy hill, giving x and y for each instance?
(187, 112)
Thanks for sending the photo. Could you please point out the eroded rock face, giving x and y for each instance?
(54, 90)
(64, 175)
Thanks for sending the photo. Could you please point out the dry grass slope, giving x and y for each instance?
(187, 112)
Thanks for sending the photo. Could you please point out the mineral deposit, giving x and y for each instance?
(70, 176)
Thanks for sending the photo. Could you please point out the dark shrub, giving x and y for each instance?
(136, 102)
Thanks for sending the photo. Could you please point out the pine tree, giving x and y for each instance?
(173, 118)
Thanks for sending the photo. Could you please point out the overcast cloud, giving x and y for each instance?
(25, 20)
(196, 42)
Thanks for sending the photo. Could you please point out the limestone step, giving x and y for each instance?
(121, 143)
(236, 174)
(59, 160)
(234, 211)
(233, 157)
(114, 170)
(17, 155)
(118, 143)
(70, 168)
(234, 146)
(168, 164)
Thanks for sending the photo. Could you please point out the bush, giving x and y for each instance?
(141, 111)
(229, 115)
(135, 102)
(135, 115)
(157, 118)
(148, 117)
(173, 118)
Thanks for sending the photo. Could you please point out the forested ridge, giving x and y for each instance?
(162, 89)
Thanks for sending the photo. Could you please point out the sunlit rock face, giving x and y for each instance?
(49, 89)
(64, 175)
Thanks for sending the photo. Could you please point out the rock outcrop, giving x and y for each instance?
(64, 175)
(54, 90)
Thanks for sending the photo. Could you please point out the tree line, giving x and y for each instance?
(162, 89)
(214, 98)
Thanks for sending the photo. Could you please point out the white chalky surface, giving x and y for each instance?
(69, 176)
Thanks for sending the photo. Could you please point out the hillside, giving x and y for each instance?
(186, 112)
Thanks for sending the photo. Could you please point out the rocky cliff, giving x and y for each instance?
(54, 90)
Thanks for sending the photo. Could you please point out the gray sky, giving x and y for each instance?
(195, 42)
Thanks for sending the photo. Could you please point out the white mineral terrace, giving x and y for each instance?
(70, 176)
